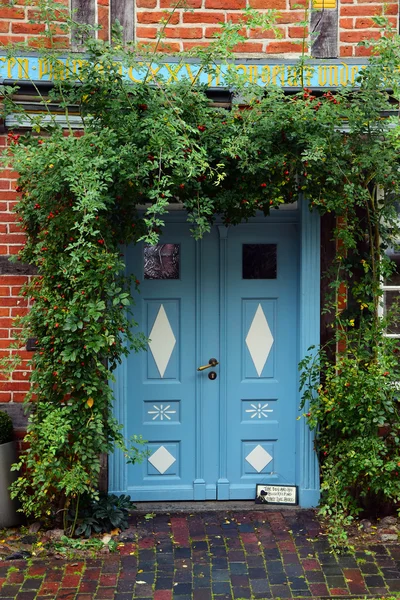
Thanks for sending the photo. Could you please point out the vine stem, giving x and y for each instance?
(76, 515)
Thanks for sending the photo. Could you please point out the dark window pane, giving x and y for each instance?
(259, 261)
(394, 279)
(161, 261)
(392, 310)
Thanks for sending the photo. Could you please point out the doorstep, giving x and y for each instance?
(205, 506)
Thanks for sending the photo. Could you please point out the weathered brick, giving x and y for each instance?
(291, 16)
(146, 32)
(248, 47)
(191, 45)
(156, 17)
(362, 51)
(281, 47)
(358, 36)
(226, 4)
(163, 47)
(366, 11)
(188, 4)
(13, 238)
(11, 13)
(298, 32)
(204, 17)
(183, 32)
(30, 28)
(146, 3)
(261, 34)
(365, 23)
(10, 39)
(211, 31)
(346, 23)
(268, 4)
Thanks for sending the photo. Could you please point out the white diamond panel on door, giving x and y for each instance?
(259, 321)
(258, 457)
(163, 333)
(163, 458)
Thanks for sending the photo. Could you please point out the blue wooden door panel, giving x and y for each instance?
(161, 381)
(216, 438)
(262, 363)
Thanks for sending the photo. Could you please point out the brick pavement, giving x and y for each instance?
(212, 556)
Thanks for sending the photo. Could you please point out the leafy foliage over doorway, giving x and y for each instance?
(151, 144)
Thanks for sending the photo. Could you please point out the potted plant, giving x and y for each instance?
(8, 507)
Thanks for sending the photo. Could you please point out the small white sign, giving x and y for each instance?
(276, 494)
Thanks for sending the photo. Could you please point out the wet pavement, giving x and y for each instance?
(212, 556)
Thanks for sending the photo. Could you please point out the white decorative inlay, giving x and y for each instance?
(162, 460)
(259, 458)
(259, 410)
(259, 340)
(161, 412)
(162, 341)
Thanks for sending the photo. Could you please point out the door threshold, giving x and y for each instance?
(201, 506)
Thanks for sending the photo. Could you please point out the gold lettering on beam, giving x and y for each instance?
(333, 75)
(174, 72)
(214, 79)
(242, 70)
(344, 74)
(153, 72)
(253, 73)
(292, 76)
(266, 75)
(278, 71)
(192, 76)
(44, 68)
(132, 77)
(59, 70)
(77, 64)
(23, 68)
(10, 65)
(3, 60)
(308, 73)
(322, 76)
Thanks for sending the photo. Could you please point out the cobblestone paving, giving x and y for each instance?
(212, 556)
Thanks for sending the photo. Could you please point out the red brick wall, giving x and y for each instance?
(188, 29)
(15, 26)
(11, 303)
(355, 24)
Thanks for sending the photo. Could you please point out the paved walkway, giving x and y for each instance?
(212, 556)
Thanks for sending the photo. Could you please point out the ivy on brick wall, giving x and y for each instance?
(154, 144)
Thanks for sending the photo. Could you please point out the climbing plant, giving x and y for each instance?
(148, 144)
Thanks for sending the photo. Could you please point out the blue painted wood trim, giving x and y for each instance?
(117, 467)
(223, 483)
(199, 484)
(310, 311)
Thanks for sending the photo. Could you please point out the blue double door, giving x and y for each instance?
(227, 305)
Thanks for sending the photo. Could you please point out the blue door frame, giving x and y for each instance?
(304, 458)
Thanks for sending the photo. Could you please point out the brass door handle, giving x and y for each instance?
(211, 363)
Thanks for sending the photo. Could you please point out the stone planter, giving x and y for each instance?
(8, 508)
